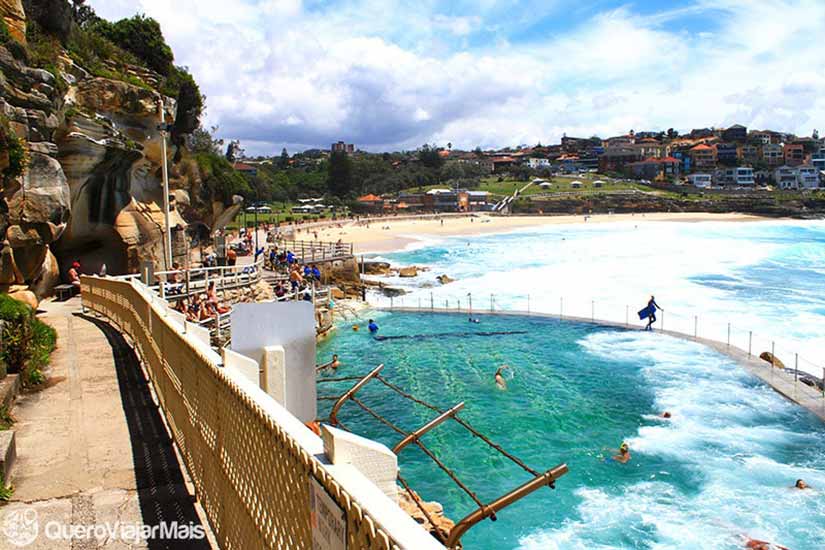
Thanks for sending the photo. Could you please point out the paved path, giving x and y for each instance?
(92, 447)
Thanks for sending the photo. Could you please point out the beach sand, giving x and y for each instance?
(388, 234)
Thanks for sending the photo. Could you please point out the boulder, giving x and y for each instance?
(8, 271)
(29, 260)
(44, 194)
(49, 277)
(392, 292)
(444, 279)
(407, 272)
(25, 296)
(376, 268)
(337, 293)
(771, 358)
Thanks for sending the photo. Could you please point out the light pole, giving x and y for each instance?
(167, 237)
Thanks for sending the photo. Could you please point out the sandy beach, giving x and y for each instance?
(387, 235)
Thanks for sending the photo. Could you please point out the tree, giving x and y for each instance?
(339, 180)
(283, 162)
(141, 36)
(203, 141)
(182, 85)
(430, 157)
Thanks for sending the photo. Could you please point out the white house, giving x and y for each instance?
(700, 180)
(536, 163)
(797, 177)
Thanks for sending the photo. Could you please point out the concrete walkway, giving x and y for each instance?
(92, 447)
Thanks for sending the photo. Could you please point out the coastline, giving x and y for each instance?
(388, 235)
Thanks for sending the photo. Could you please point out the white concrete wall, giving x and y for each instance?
(374, 460)
(290, 325)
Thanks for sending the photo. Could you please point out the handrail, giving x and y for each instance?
(416, 435)
(333, 415)
(548, 478)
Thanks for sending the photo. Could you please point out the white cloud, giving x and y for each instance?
(393, 74)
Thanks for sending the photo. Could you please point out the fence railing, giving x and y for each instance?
(726, 336)
(251, 462)
(316, 251)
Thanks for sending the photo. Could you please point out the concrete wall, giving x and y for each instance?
(259, 329)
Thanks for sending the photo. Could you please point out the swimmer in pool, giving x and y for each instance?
(500, 382)
(472, 320)
(624, 454)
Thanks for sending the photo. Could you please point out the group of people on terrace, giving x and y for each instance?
(201, 306)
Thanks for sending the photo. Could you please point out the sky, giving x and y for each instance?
(392, 75)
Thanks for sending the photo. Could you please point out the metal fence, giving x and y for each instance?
(805, 375)
(250, 461)
(308, 252)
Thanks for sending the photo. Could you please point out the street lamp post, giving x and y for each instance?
(167, 237)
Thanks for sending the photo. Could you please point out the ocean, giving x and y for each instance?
(719, 470)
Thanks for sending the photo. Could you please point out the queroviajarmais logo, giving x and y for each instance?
(21, 526)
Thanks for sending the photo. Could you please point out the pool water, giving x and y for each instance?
(722, 467)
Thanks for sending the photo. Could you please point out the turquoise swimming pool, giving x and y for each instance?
(720, 468)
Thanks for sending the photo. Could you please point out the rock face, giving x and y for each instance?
(92, 190)
(15, 19)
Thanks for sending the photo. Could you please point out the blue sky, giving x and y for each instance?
(391, 74)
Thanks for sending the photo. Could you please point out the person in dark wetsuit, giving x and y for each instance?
(652, 306)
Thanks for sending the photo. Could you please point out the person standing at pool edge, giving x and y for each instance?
(373, 327)
(651, 309)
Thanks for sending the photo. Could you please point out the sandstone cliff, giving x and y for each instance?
(92, 189)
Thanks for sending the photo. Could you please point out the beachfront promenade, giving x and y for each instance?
(93, 447)
(784, 381)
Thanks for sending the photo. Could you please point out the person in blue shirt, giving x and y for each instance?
(290, 257)
(373, 327)
(307, 271)
(651, 307)
(316, 273)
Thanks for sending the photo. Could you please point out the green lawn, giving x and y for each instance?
(561, 184)
(281, 212)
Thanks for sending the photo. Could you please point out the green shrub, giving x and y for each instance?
(27, 341)
(6, 492)
(141, 36)
(13, 146)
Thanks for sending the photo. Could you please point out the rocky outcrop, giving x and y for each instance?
(15, 19)
(92, 190)
(435, 510)
(408, 272)
(772, 359)
(376, 268)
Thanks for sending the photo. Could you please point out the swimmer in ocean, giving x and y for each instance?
(624, 454)
(473, 320)
(500, 382)
(800, 484)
